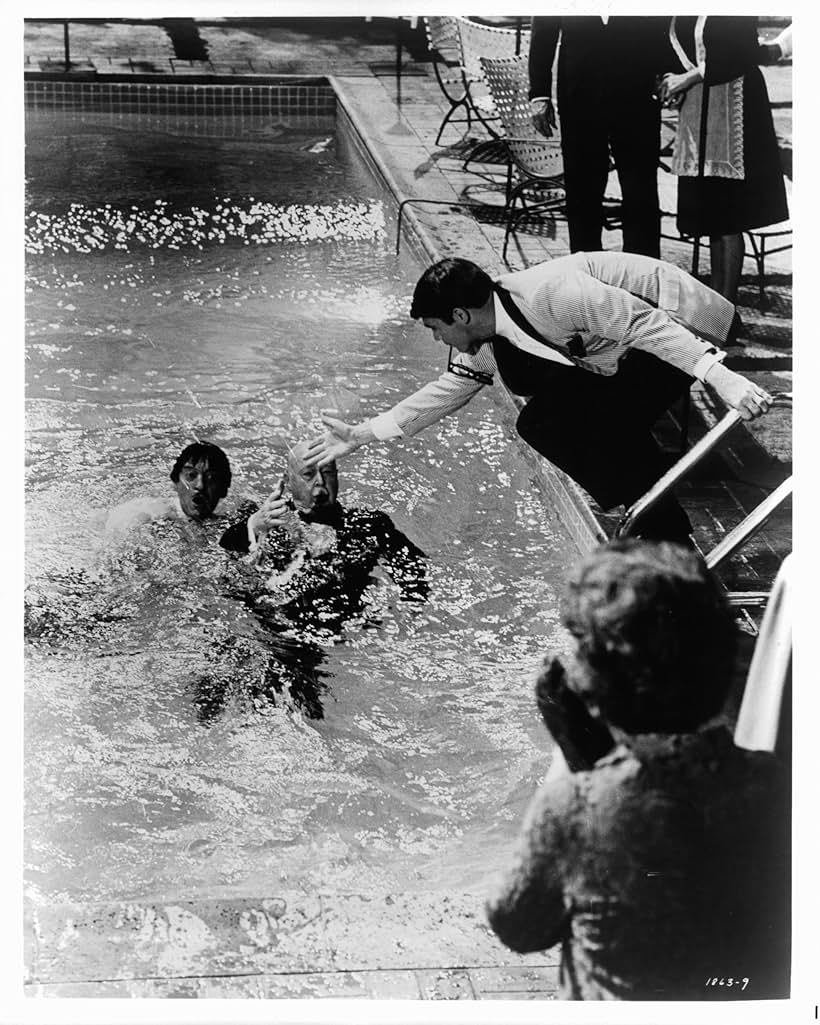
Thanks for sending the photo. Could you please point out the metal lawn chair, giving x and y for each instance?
(444, 43)
(479, 41)
(536, 184)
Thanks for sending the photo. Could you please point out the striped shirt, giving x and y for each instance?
(611, 301)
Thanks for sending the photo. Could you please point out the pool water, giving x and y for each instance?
(182, 288)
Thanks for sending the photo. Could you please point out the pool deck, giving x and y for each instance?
(431, 946)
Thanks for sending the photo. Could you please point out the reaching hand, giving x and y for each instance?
(738, 392)
(339, 440)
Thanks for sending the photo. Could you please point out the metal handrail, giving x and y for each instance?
(698, 451)
(674, 474)
(740, 534)
(454, 203)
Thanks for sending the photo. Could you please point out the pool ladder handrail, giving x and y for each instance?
(749, 526)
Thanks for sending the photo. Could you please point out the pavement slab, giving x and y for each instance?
(434, 946)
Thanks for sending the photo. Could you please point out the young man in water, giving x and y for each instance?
(201, 477)
(75, 602)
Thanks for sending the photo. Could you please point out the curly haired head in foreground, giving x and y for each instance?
(655, 636)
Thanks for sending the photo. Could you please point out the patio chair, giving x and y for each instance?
(478, 41)
(537, 170)
(444, 43)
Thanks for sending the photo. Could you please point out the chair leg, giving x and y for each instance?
(761, 272)
(508, 185)
(512, 217)
(759, 256)
(454, 107)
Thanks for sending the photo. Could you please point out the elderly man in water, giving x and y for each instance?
(302, 564)
(311, 559)
(201, 477)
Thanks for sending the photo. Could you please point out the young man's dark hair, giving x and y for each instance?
(205, 452)
(448, 284)
(656, 638)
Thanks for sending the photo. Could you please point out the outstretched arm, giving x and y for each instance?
(434, 400)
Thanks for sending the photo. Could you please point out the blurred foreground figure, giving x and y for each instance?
(662, 869)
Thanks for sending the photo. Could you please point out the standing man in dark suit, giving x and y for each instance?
(606, 99)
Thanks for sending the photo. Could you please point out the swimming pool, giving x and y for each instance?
(227, 285)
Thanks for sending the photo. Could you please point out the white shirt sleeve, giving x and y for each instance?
(436, 399)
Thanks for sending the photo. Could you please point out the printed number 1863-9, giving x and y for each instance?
(716, 981)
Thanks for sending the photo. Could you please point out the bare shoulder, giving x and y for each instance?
(140, 510)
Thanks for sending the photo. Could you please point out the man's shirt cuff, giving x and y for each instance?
(707, 361)
(384, 426)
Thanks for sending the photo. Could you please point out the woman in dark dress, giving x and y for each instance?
(741, 186)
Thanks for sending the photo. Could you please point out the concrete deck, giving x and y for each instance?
(436, 946)
(397, 946)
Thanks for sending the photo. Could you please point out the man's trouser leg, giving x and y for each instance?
(635, 132)
(585, 153)
(598, 430)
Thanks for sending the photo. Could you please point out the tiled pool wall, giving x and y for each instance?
(220, 109)
(228, 109)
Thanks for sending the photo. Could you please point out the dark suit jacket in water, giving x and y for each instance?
(300, 589)
(662, 868)
(328, 587)
(606, 99)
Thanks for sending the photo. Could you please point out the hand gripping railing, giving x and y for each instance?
(744, 530)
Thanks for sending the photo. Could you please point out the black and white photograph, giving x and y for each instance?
(406, 403)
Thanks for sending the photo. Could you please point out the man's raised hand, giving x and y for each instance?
(271, 513)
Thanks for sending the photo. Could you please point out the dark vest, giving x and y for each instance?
(523, 373)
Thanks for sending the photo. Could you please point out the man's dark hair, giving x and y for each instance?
(448, 284)
(205, 452)
(656, 638)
